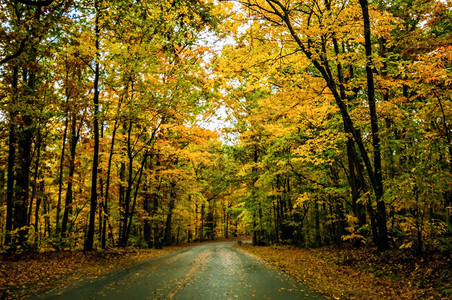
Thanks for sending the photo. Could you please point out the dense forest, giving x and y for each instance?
(332, 123)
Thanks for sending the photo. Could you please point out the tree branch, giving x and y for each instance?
(36, 3)
(13, 56)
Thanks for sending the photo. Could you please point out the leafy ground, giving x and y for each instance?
(24, 274)
(338, 273)
(352, 273)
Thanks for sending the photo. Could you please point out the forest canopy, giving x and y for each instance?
(337, 123)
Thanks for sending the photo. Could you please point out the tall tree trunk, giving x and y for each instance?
(122, 176)
(148, 214)
(201, 228)
(11, 159)
(38, 205)
(137, 188)
(383, 242)
(25, 139)
(107, 189)
(341, 222)
(275, 217)
(128, 191)
(35, 176)
(356, 185)
(69, 192)
(169, 218)
(355, 167)
(196, 221)
(89, 243)
(448, 193)
(61, 167)
(101, 189)
(47, 225)
(318, 240)
(107, 184)
(157, 240)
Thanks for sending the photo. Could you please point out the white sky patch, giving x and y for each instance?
(218, 122)
(221, 118)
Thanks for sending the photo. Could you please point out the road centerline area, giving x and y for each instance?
(209, 271)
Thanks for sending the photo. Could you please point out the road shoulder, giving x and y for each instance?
(316, 269)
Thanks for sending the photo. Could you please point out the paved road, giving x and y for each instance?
(209, 271)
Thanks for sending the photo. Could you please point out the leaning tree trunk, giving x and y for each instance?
(322, 64)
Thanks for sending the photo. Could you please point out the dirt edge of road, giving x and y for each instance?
(26, 274)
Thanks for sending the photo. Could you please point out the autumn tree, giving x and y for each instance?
(25, 79)
(336, 62)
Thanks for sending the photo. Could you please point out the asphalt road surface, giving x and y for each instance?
(208, 271)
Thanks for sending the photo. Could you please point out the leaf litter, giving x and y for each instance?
(362, 273)
(29, 273)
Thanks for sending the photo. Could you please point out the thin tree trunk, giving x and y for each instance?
(318, 240)
(137, 187)
(61, 167)
(148, 213)
(157, 243)
(129, 186)
(35, 177)
(38, 204)
(107, 184)
(168, 229)
(69, 192)
(101, 189)
(11, 160)
(122, 175)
